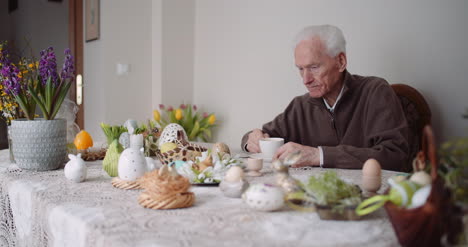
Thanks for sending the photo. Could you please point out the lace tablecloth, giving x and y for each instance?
(45, 209)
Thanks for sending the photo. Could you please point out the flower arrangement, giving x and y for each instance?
(32, 83)
(211, 174)
(8, 106)
(196, 125)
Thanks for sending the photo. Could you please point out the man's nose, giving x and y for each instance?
(307, 77)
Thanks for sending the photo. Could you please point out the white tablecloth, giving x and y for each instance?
(45, 209)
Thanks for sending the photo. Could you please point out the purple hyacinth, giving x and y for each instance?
(48, 66)
(11, 80)
(4, 57)
(68, 70)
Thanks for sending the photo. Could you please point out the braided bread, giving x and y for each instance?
(165, 189)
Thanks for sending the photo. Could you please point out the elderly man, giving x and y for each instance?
(344, 119)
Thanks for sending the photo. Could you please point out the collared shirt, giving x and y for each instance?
(331, 109)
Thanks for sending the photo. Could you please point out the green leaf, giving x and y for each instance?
(194, 131)
(172, 118)
(21, 101)
(48, 95)
(39, 102)
(207, 132)
(112, 132)
(58, 103)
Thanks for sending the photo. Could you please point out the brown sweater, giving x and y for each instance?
(368, 122)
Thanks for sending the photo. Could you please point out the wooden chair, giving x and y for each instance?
(418, 115)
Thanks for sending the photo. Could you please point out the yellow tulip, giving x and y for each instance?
(212, 119)
(156, 115)
(178, 114)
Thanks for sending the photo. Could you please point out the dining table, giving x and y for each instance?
(47, 209)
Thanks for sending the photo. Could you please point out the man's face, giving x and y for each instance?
(321, 73)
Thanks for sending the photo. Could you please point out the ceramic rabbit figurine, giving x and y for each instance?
(75, 169)
(132, 162)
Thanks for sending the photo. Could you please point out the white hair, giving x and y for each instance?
(331, 36)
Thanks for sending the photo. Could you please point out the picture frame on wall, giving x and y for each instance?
(91, 20)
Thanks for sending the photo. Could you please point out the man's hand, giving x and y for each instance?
(310, 156)
(253, 142)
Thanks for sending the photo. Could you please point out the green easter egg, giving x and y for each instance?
(402, 192)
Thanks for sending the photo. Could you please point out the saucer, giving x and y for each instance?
(260, 156)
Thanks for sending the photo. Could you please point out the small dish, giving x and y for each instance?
(260, 156)
(206, 184)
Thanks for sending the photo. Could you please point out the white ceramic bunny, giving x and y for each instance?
(132, 162)
(75, 169)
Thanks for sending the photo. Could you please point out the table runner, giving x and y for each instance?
(45, 209)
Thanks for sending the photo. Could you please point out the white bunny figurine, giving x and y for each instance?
(75, 169)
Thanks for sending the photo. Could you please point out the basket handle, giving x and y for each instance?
(429, 149)
(370, 205)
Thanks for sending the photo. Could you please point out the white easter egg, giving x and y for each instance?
(371, 168)
(169, 134)
(421, 178)
(264, 197)
(132, 164)
(420, 196)
(75, 169)
(234, 174)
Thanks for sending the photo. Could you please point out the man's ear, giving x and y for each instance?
(342, 61)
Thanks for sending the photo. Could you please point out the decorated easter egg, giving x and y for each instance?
(169, 134)
(264, 197)
(221, 147)
(75, 169)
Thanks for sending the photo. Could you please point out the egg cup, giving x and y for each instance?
(254, 166)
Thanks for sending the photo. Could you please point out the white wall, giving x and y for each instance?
(42, 24)
(177, 51)
(126, 35)
(244, 67)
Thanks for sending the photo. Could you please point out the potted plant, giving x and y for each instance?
(39, 143)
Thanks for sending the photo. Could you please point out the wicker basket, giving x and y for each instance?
(425, 225)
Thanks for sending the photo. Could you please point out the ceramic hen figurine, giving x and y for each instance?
(76, 169)
(283, 179)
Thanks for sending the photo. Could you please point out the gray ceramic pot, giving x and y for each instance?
(40, 144)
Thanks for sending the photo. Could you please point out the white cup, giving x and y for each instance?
(268, 146)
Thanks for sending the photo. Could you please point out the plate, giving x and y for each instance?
(205, 184)
(260, 156)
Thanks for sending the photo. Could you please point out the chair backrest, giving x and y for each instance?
(418, 115)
